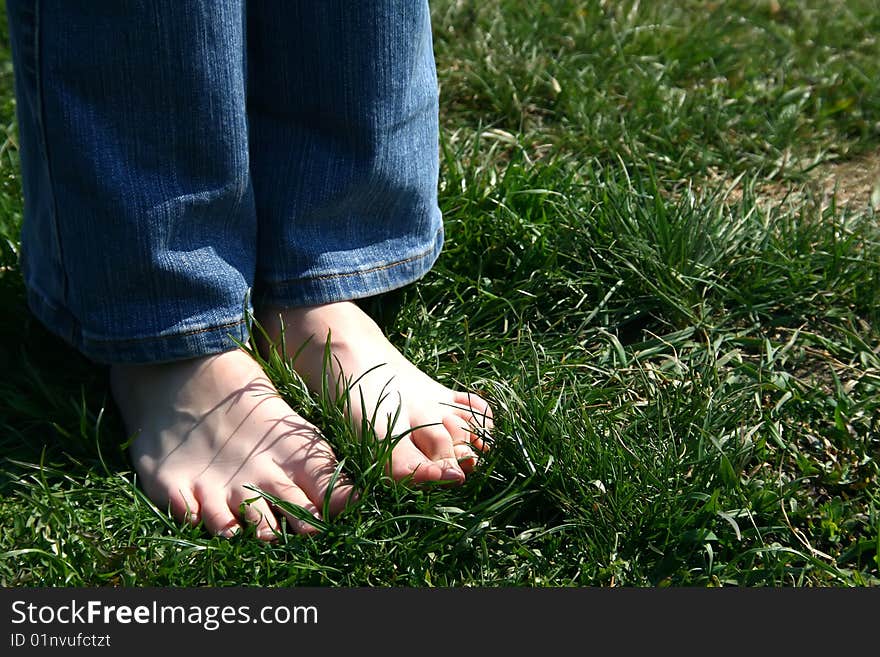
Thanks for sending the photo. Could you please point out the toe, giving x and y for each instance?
(255, 511)
(462, 439)
(407, 460)
(286, 490)
(435, 442)
(317, 481)
(184, 506)
(476, 424)
(477, 409)
(216, 514)
(466, 458)
(314, 470)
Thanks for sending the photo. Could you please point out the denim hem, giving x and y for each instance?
(350, 285)
(212, 339)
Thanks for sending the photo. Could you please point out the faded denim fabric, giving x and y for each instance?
(183, 159)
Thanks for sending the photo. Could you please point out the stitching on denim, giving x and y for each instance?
(44, 142)
(167, 337)
(324, 277)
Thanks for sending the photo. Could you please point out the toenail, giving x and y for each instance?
(305, 527)
(452, 474)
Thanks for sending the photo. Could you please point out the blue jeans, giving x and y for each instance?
(183, 159)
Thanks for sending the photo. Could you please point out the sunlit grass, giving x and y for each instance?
(686, 380)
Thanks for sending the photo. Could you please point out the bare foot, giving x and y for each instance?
(207, 427)
(447, 426)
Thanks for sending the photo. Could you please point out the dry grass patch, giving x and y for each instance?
(852, 183)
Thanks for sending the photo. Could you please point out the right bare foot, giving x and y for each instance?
(207, 427)
(437, 431)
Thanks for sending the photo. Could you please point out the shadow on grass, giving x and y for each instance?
(55, 405)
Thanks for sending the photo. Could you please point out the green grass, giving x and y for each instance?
(686, 379)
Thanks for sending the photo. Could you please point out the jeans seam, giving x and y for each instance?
(44, 143)
(325, 277)
(206, 329)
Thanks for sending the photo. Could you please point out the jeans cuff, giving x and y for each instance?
(220, 334)
(347, 285)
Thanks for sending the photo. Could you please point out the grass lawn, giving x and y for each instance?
(662, 268)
